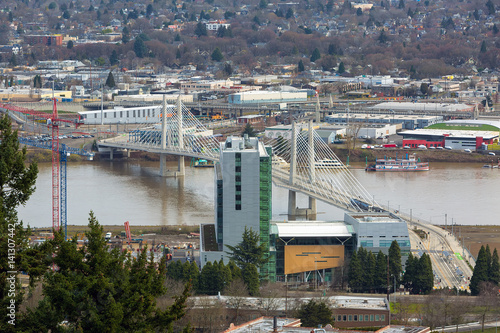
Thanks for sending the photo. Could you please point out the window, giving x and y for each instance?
(355, 317)
(366, 317)
(238, 188)
(237, 169)
(237, 207)
(238, 197)
(133, 113)
(121, 114)
(237, 178)
(114, 114)
(360, 317)
(350, 318)
(344, 318)
(371, 317)
(339, 317)
(128, 114)
(382, 317)
(376, 318)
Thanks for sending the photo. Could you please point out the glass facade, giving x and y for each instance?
(267, 271)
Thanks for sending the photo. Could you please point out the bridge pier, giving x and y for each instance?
(111, 151)
(294, 211)
(165, 172)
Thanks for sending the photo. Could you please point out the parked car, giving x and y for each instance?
(448, 147)
(467, 150)
(422, 147)
(491, 153)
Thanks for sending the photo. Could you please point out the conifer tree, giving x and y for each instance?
(98, 290)
(380, 276)
(355, 274)
(17, 184)
(480, 272)
(494, 273)
(395, 268)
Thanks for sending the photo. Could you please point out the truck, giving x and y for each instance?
(282, 106)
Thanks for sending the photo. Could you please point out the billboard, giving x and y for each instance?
(304, 258)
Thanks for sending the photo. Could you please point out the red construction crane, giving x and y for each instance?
(52, 121)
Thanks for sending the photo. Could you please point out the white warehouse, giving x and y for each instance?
(254, 97)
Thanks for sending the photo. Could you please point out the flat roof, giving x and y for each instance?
(306, 229)
(421, 106)
(452, 133)
(371, 116)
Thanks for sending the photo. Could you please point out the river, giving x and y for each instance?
(119, 191)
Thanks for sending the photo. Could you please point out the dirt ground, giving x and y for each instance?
(476, 236)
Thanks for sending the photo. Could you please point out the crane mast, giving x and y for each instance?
(55, 168)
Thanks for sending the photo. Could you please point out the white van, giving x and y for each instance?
(108, 236)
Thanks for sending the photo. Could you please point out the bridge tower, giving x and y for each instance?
(293, 209)
(167, 138)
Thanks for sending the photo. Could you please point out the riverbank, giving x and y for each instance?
(358, 155)
(425, 155)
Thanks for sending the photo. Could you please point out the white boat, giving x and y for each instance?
(410, 163)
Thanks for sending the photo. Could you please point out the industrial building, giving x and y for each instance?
(454, 134)
(405, 121)
(429, 107)
(256, 97)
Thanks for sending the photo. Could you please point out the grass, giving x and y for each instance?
(466, 128)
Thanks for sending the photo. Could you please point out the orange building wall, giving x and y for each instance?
(304, 258)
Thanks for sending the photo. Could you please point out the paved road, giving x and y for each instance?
(447, 255)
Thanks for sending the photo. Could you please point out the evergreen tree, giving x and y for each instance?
(411, 270)
(217, 55)
(369, 272)
(70, 45)
(206, 279)
(37, 81)
(425, 275)
(140, 48)
(424, 88)
(491, 7)
(355, 274)
(251, 278)
(249, 130)
(110, 81)
(235, 270)
(401, 4)
(382, 38)
(125, 35)
(113, 58)
(494, 272)
(263, 4)
(174, 270)
(488, 256)
(315, 55)
(200, 30)
(480, 272)
(359, 12)
(248, 251)
(17, 184)
(483, 47)
(341, 68)
(95, 289)
(395, 268)
(495, 29)
(380, 276)
(289, 13)
(300, 66)
(315, 313)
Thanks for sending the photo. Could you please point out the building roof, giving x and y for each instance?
(312, 229)
(405, 106)
(452, 133)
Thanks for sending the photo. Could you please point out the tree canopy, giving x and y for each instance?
(315, 313)
(95, 289)
(17, 184)
(248, 251)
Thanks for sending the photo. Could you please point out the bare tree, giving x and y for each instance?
(236, 293)
(487, 300)
(208, 315)
(270, 298)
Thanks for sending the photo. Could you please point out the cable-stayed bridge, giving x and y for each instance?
(302, 161)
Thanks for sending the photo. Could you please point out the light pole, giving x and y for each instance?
(316, 273)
